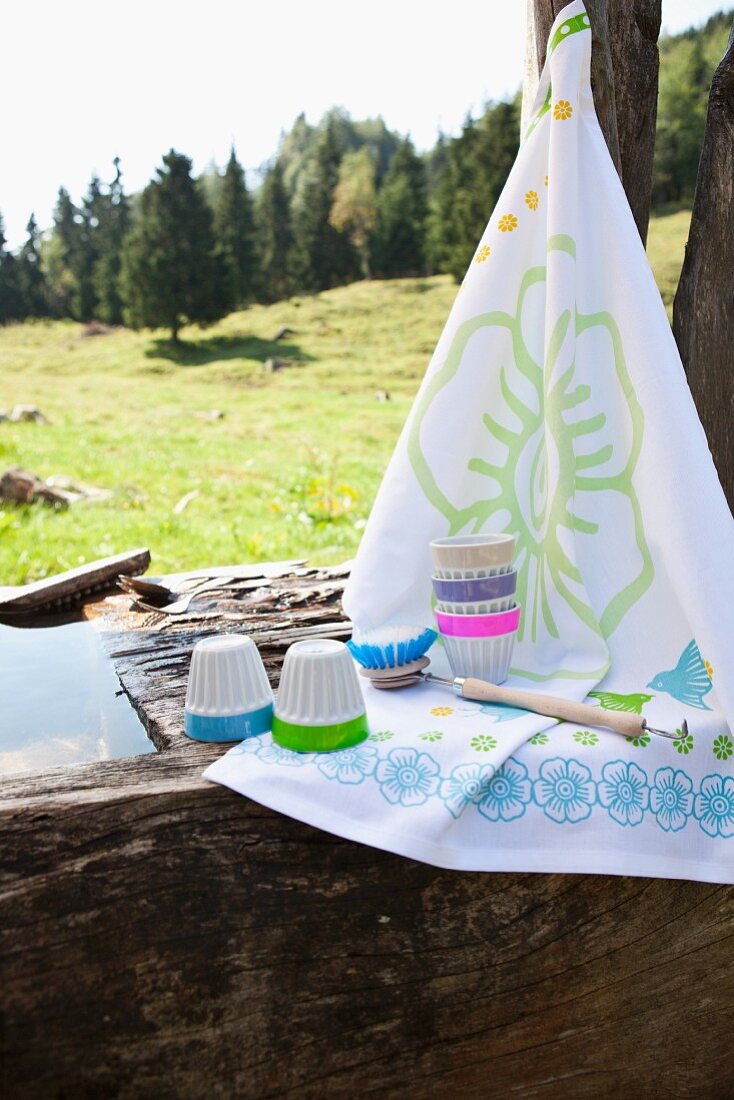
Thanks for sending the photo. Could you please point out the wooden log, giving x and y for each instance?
(703, 310)
(175, 940)
(161, 936)
(624, 80)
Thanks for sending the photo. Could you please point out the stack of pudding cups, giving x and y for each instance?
(474, 583)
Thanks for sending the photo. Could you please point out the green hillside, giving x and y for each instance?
(292, 467)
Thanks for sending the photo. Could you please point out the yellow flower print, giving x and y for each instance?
(562, 110)
(508, 222)
(545, 181)
(441, 712)
(482, 254)
(709, 670)
(531, 199)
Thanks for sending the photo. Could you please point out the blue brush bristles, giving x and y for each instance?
(391, 646)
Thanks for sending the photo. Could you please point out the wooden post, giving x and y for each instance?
(703, 311)
(624, 79)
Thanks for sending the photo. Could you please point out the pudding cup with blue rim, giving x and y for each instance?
(228, 695)
(460, 557)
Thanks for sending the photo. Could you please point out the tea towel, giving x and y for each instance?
(555, 407)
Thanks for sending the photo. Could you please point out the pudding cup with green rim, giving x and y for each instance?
(319, 706)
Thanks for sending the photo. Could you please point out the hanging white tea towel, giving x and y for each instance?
(556, 408)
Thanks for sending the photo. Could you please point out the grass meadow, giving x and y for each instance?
(292, 467)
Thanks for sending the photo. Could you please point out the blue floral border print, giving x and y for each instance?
(564, 789)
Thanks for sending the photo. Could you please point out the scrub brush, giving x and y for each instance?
(397, 653)
(395, 657)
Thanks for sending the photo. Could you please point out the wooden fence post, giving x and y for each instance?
(703, 310)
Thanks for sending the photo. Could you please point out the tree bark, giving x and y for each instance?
(624, 80)
(703, 310)
(634, 27)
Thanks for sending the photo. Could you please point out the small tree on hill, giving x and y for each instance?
(31, 280)
(170, 274)
(61, 255)
(234, 229)
(11, 308)
(113, 225)
(354, 209)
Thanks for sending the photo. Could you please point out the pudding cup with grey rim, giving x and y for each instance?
(467, 556)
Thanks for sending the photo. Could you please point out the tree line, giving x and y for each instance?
(341, 200)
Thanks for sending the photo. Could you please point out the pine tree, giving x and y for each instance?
(234, 229)
(113, 226)
(402, 210)
(31, 280)
(84, 297)
(11, 306)
(274, 237)
(61, 255)
(324, 256)
(170, 272)
(477, 165)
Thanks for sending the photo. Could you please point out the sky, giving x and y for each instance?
(84, 81)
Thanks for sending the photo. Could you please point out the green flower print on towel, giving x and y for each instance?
(586, 737)
(723, 747)
(483, 742)
(683, 745)
(538, 460)
(640, 742)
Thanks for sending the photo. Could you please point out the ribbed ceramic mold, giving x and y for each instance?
(320, 706)
(483, 658)
(468, 574)
(228, 696)
(486, 607)
(476, 589)
(482, 555)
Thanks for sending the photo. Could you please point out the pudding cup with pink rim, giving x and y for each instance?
(476, 613)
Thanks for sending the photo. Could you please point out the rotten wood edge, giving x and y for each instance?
(151, 656)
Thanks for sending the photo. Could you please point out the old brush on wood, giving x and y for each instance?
(395, 657)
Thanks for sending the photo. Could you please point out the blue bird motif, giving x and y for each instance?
(499, 711)
(689, 681)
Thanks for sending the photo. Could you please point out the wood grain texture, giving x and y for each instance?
(703, 310)
(634, 29)
(161, 936)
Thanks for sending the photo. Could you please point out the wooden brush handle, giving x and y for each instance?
(631, 725)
